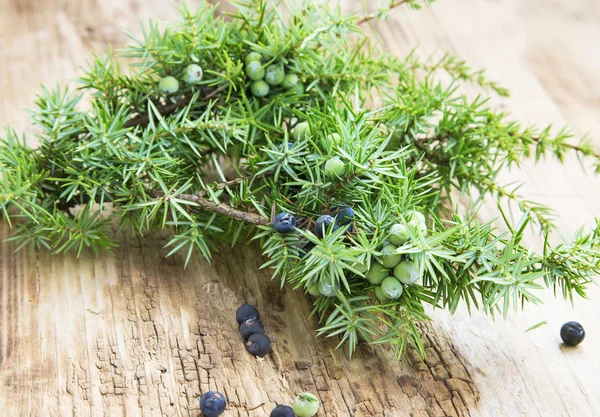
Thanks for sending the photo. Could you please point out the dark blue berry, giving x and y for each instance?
(284, 222)
(344, 216)
(250, 327)
(212, 404)
(258, 345)
(246, 312)
(572, 333)
(283, 411)
(322, 225)
(289, 145)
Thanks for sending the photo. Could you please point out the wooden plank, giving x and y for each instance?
(137, 335)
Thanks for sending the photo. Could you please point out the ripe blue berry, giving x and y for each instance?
(284, 222)
(345, 216)
(250, 327)
(274, 74)
(246, 312)
(407, 272)
(253, 56)
(290, 81)
(283, 411)
(301, 130)
(258, 345)
(329, 289)
(192, 74)
(255, 70)
(389, 257)
(306, 405)
(290, 145)
(322, 225)
(377, 273)
(391, 288)
(259, 88)
(212, 404)
(398, 234)
(572, 333)
(168, 85)
(335, 168)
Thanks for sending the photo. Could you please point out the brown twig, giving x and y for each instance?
(142, 119)
(370, 17)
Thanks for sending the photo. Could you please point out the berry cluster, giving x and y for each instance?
(192, 74)
(390, 272)
(264, 77)
(252, 330)
(305, 405)
(212, 404)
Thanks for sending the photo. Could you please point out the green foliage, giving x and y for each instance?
(213, 163)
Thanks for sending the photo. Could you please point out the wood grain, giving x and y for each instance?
(136, 334)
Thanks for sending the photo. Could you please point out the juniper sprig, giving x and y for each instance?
(220, 124)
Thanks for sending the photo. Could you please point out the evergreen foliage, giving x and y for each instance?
(142, 156)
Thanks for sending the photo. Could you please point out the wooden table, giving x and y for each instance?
(135, 334)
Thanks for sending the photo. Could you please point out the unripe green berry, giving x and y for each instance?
(335, 168)
(314, 290)
(274, 74)
(253, 56)
(255, 71)
(299, 88)
(361, 267)
(192, 74)
(389, 257)
(407, 272)
(398, 234)
(391, 288)
(306, 405)
(290, 81)
(329, 289)
(168, 85)
(380, 295)
(415, 215)
(334, 138)
(259, 88)
(301, 130)
(377, 273)
(418, 227)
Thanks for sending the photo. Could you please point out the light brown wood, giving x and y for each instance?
(135, 334)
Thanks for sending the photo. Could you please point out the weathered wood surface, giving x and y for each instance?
(137, 335)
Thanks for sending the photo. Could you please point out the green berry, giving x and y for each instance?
(329, 289)
(290, 81)
(253, 56)
(418, 227)
(377, 273)
(380, 295)
(274, 74)
(389, 257)
(314, 290)
(192, 74)
(335, 168)
(415, 215)
(168, 85)
(306, 405)
(255, 71)
(391, 288)
(301, 130)
(299, 88)
(259, 88)
(407, 272)
(398, 234)
(361, 267)
(334, 138)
